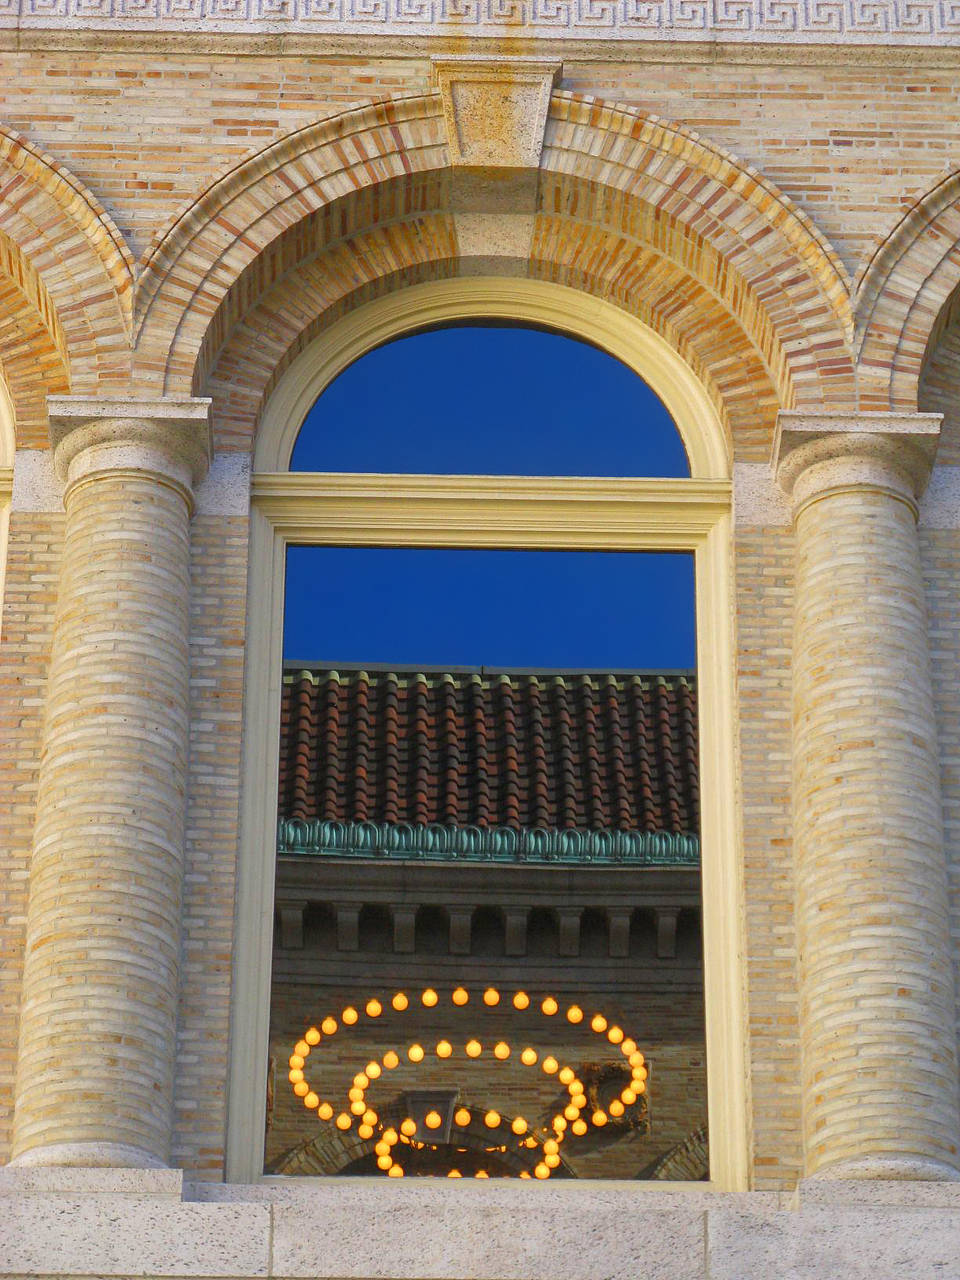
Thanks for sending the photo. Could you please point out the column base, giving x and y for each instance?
(888, 1168)
(86, 1155)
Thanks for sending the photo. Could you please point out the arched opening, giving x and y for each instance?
(399, 511)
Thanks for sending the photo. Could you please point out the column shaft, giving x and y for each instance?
(100, 987)
(877, 1006)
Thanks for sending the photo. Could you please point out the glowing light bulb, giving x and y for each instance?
(615, 1107)
(528, 1057)
(598, 1023)
(491, 997)
(311, 1101)
(501, 1050)
(370, 1117)
(473, 1048)
(391, 1060)
(374, 1009)
(454, 1173)
(325, 1111)
(365, 1131)
(400, 1002)
(382, 1148)
(579, 1100)
(521, 1000)
(462, 1117)
(541, 1171)
(628, 1097)
(551, 1147)
(559, 1125)
(312, 1036)
(395, 1171)
(358, 1107)
(550, 1065)
(614, 1035)
(492, 1119)
(599, 1118)
(372, 1070)
(415, 1053)
(301, 1088)
(349, 1016)
(444, 1048)
(355, 1094)
(640, 1086)
(636, 1059)
(302, 1048)
(459, 996)
(551, 1161)
(571, 1112)
(385, 1162)
(481, 1173)
(429, 998)
(639, 1075)
(575, 1086)
(627, 1047)
(566, 1075)
(579, 1127)
(518, 1125)
(343, 1121)
(549, 1006)
(433, 1119)
(295, 1076)
(524, 1174)
(408, 1127)
(361, 1080)
(391, 1136)
(328, 1026)
(574, 1013)
(295, 1061)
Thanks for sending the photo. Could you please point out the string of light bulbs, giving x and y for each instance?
(368, 1121)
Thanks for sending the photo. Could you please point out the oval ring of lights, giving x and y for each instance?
(400, 1002)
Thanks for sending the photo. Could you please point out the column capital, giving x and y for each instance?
(814, 453)
(167, 435)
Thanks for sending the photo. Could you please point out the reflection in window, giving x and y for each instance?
(487, 958)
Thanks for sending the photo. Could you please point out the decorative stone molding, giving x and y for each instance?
(786, 22)
(815, 454)
(167, 436)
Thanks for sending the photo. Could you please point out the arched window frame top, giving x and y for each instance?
(613, 514)
(541, 304)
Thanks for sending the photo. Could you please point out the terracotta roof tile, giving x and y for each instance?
(522, 750)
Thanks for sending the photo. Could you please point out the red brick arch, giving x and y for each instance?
(606, 172)
(64, 262)
(903, 297)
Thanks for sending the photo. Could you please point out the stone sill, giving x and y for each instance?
(132, 1223)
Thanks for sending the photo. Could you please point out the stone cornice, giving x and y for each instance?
(771, 22)
(816, 453)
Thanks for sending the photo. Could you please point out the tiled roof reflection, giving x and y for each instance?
(589, 751)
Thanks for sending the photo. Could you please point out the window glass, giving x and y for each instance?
(490, 400)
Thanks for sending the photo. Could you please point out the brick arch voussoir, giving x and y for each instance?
(187, 272)
(312, 297)
(903, 298)
(69, 259)
(31, 364)
(753, 227)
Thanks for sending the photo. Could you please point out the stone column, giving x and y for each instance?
(98, 1022)
(877, 1012)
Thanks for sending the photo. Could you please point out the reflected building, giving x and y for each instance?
(487, 889)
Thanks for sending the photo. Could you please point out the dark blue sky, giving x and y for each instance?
(478, 400)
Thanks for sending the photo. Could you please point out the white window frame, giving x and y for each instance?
(505, 512)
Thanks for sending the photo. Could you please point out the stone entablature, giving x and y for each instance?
(792, 22)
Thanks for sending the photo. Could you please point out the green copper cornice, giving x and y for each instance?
(420, 842)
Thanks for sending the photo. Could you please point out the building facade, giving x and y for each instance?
(209, 210)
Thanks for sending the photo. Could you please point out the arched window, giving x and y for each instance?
(351, 504)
